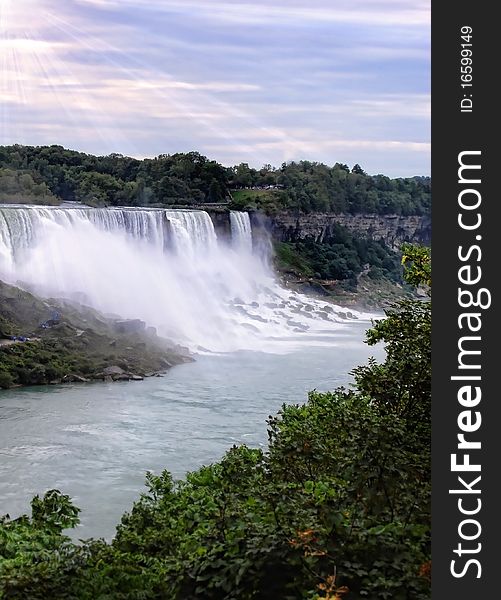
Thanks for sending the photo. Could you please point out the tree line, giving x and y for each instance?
(52, 173)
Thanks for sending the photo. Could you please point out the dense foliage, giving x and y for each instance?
(339, 256)
(20, 187)
(338, 507)
(190, 178)
(120, 180)
(314, 187)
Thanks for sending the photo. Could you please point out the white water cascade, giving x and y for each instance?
(241, 230)
(166, 267)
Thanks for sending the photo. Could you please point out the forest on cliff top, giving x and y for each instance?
(52, 174)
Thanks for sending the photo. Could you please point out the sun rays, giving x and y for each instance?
(96, 101)
(89, 75)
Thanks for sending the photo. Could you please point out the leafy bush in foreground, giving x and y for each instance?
(338, 507)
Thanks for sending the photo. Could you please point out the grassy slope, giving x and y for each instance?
(268, 201)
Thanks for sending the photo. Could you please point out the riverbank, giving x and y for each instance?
(370, 295)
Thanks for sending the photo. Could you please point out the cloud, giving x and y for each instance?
(261, 81)
(388, 13)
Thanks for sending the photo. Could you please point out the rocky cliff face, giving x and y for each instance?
(222, 224)
(393, 229)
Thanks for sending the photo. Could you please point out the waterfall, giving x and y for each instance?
(21, 227)
(192, 232)
(241, 230)
(167, 267)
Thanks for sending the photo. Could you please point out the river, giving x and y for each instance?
(95, 442)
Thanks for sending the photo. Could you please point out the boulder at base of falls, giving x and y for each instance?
(130, 326)
(123, 377)
(113, 371)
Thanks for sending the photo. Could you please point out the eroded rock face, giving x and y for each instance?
(222, 225)
(393, 229)
(288, 227)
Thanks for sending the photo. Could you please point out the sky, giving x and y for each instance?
(262, 81)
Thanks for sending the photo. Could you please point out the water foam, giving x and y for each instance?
(166, 267)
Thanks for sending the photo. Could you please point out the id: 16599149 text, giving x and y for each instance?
(466, 69)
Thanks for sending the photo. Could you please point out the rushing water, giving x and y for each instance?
(241, 230)
(95, 442)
